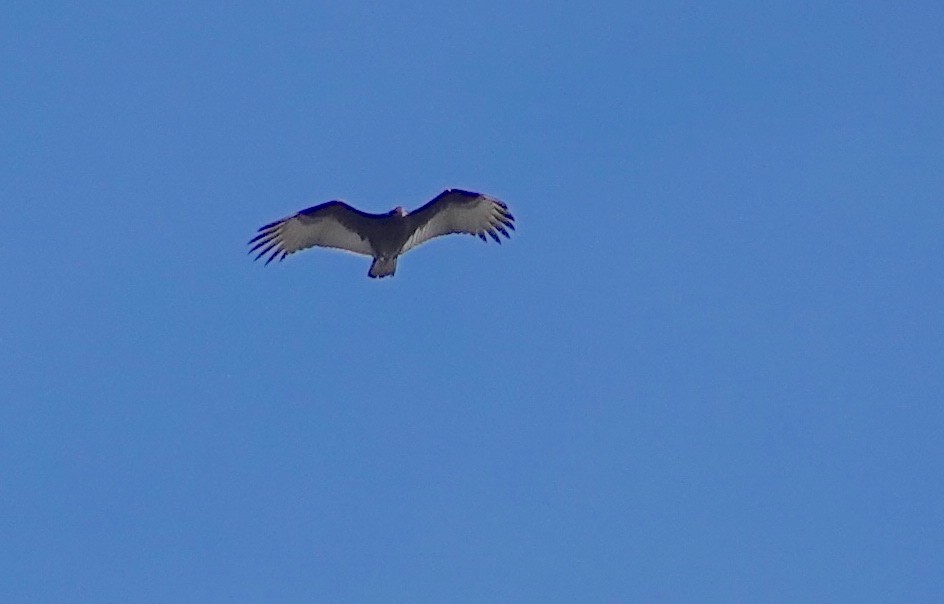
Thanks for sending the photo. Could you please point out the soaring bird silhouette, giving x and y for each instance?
(384, 236)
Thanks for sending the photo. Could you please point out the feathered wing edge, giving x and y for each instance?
(458, 211)
(333, 224)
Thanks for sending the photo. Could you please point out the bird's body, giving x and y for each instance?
(385, 237)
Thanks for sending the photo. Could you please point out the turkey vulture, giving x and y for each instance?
(384, 236)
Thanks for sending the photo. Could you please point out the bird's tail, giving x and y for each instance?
(383, 267)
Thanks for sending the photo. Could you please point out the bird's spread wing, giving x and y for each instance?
(456, 211)
(334, 224)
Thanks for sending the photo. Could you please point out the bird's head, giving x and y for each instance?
(398, 211)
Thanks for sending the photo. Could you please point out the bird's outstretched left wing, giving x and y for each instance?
(457, 211)
(334, 224)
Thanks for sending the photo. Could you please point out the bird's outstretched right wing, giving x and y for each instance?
(458, 211)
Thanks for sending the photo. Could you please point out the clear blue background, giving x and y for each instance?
(708, 367)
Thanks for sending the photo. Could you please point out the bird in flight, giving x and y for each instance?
(385, 237)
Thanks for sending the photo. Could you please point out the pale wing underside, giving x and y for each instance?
(456, 211)
(333, 225)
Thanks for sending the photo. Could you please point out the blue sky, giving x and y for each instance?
(707, 367)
